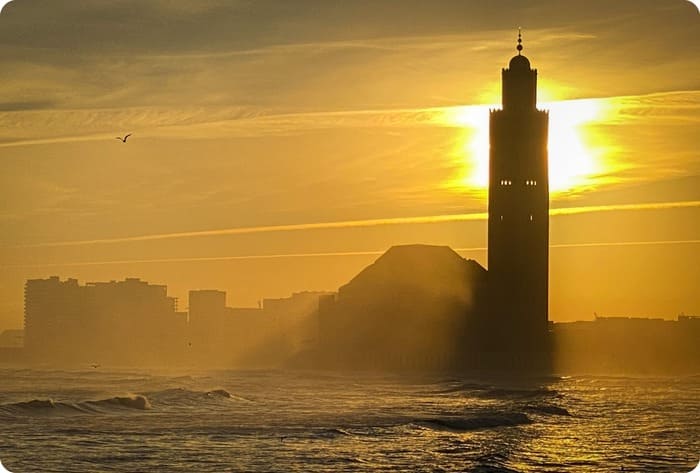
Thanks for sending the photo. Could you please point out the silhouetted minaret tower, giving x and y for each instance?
(518, 229)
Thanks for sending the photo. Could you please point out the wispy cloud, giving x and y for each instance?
(662, 108)
(24, 128)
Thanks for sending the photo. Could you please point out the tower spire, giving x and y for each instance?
(518, 227)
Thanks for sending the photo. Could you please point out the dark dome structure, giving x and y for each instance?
(519, 62)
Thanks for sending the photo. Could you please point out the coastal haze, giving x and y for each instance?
(349, 236)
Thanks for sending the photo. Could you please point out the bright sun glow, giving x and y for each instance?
(575, 161)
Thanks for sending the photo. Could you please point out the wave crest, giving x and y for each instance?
(130, 402)
(51, 407)
(181, 397)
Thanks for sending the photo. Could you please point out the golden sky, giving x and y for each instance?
(280, 146)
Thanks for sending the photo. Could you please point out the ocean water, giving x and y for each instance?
(226, 421)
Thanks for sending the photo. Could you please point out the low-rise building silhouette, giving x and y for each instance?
(54, 316)
(624, 345)
(251, 337)
(121, 322)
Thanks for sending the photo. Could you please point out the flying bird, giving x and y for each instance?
(123, 140)
(95, 365)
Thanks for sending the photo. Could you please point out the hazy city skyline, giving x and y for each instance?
(258, 120)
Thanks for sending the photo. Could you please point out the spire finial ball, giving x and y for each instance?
(519, 47)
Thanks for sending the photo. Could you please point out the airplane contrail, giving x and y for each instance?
(625, 243)
(202, 259)
(274, 228)
(331, 254)
(613, 207)
(361, 223)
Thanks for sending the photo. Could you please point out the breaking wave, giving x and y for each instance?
(181, 397)
(130, 402)
(51, 407)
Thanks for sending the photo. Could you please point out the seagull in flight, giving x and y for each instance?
(95, 365)
(123, 140)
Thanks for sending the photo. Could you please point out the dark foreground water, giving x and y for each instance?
(94, 421)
